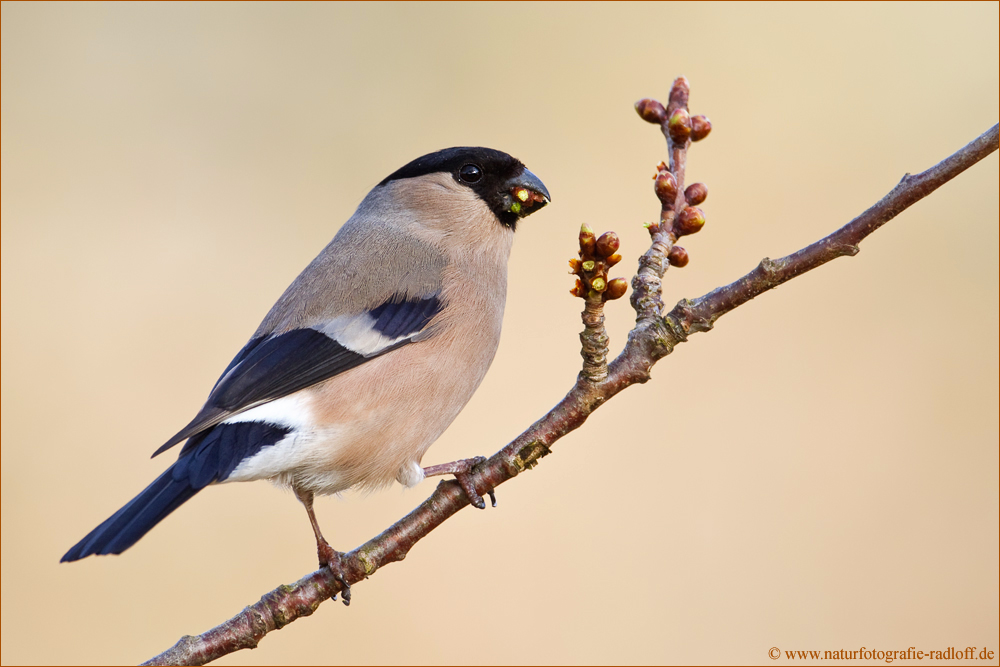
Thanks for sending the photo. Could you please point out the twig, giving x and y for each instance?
(597, 255)
(654, 336)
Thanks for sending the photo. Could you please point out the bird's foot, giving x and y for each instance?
(333, 560)
(462, 471)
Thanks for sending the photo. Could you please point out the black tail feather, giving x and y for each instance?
(137, 518)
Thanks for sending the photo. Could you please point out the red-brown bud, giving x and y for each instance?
(679, 125)
(680, 92)
(690, 221)
(700, 127)
(666, 188)
(696, 193)
(587, 240)
(616, 289)
(678, 257)
(613, 259)
(607, 244)
(651, 111)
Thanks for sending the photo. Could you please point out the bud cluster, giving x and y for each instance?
(679, 124)
(691, 219)
(679, 213)
(597, 255)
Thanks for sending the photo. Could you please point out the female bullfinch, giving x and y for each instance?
(367, 357)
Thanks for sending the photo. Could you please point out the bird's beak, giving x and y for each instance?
(527, 194)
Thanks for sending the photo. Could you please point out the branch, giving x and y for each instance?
(654, 336)
(701, 313)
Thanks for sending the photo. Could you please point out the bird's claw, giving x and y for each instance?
(332, 559)
(464, 477)
(462, 470)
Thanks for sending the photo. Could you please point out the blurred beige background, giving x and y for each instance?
(820, 472)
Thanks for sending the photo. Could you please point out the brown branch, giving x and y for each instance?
(653, 337)
(701, 313)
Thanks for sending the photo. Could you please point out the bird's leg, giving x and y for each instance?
(461, 470)
(328, 556)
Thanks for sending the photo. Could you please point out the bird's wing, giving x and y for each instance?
(270, 367)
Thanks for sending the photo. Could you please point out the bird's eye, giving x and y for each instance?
(470, 173)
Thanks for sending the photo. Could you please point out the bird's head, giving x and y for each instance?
(499, 180)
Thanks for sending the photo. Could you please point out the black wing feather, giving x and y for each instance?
(269, 368)
(282, 365)
(402, 319)
(273, 368)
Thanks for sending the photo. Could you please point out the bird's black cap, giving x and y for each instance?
(498, 179)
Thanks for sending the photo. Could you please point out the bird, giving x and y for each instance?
(366, 358)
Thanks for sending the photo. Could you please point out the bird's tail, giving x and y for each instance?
(137, 518)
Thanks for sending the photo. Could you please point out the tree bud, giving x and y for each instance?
(574, 265)
(679, 126)
(690, 221)
(651, 111)
(587, 240)
(700, 127)
(666, 187)
(607, 244)
(680, 92)
(613, 259)
(678, 257)
(616, 289)
(578, 289)
(696, 193)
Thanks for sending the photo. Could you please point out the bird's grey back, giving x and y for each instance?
(375, 257)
